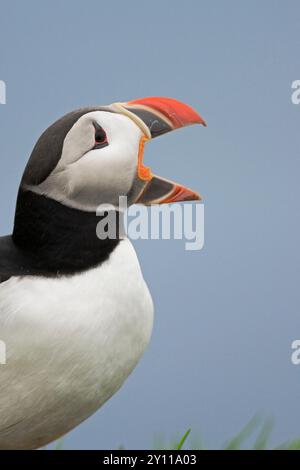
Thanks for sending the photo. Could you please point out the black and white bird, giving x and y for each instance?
(75, 312)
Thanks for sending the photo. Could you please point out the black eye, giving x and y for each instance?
(100, 137)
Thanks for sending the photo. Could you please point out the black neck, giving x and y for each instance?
(58, 239)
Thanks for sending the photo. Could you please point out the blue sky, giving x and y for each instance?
(226, 315)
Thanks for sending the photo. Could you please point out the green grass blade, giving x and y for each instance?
(263, 437)
(293, 445)
(59, 445)
(237, 441)
(183, 439)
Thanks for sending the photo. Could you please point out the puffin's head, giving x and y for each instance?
(94, 155)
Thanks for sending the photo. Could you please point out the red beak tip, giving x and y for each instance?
(177, 112)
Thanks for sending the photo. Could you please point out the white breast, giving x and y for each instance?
(71, 342)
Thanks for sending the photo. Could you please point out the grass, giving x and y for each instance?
(255, 435)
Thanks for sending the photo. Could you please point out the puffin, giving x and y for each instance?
(75, 312)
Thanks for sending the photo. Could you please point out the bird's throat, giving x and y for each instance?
(58, 239)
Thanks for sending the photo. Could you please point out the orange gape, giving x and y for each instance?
(144, 172)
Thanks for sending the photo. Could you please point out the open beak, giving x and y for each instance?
(156, 116)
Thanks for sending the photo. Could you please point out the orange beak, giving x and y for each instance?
(156, 116)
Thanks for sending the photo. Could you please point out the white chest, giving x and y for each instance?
(71, 343)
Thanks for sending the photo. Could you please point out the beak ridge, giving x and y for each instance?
(159, 115)
(176, 113)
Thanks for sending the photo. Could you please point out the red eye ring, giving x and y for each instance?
(100, 137)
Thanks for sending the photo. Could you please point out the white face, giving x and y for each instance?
(86, 177)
